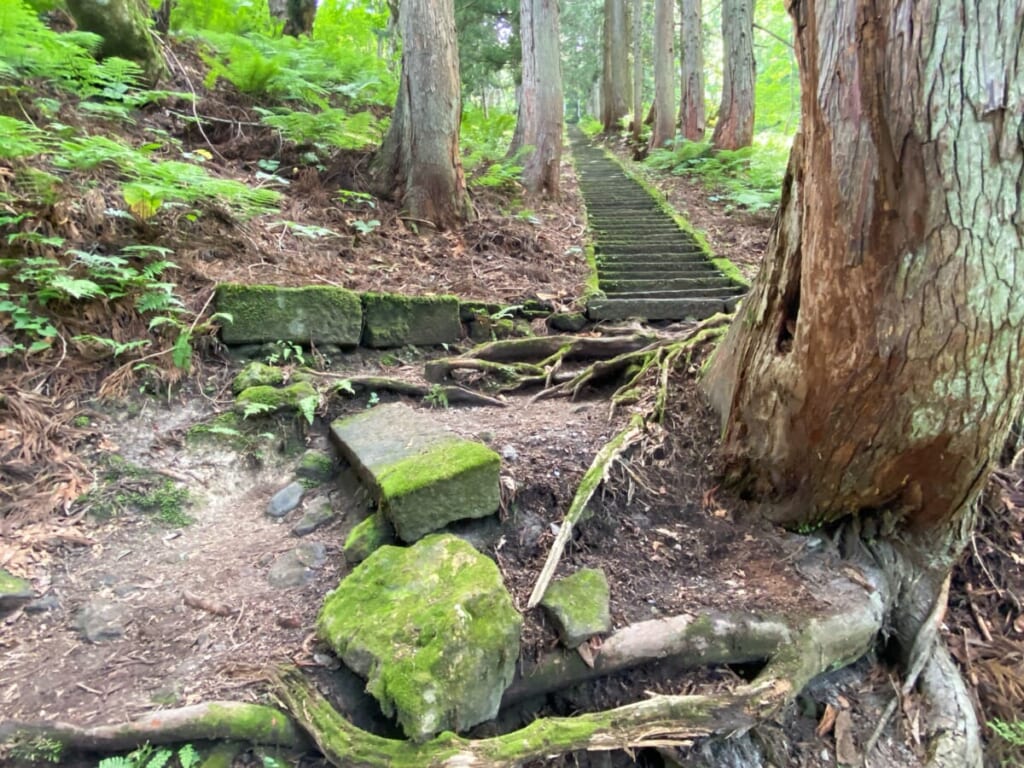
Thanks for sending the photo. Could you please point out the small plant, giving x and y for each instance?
(372, 400)
(36, 749)
(355, 199)
(126, 486)
(436, 397)
(365, 227)
(1011, 737)
(148, 756)
(286, 353)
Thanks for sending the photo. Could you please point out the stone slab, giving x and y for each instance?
(422, 476)
(392, 320)
(264, 313)
(578, 606)
(658, 309)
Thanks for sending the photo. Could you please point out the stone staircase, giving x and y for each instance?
(647, 266)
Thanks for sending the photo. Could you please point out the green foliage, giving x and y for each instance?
(749, 178)
(1008, 742)
(36, 749)
(21, 139)
(286, 353)
(148, 756)
(237, 17)
(436, 397)
(124, 486)
(331, 127)
(485, 139)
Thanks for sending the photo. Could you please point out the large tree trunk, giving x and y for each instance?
(615, 84)
(877, 364)
(418, 163)
(691, 98)
(540, 119)
(664, 74)
(735, 126)
(124, 27)
(638, 70)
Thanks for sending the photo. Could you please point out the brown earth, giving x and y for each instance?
(200, 619)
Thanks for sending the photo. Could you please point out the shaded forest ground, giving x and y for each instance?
(681, 543)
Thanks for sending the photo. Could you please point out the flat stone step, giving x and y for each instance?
(646, 248)
(658, 309)
(422, 476)
(628, 273)
(651, 260)
(681, 293)
(654, 286)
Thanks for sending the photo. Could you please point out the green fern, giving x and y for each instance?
(21, 139)
(333, 127)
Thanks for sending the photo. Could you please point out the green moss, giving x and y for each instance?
(592, 286)
(439, 462)
(393, 320)
(257, 374)
(316, 466)
(578, 605)
(147, 492)
(12, 585)
(266, 313)
(367, 537)
(270, 399)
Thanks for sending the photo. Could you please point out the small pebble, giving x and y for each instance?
(509, 453)
(285, 500)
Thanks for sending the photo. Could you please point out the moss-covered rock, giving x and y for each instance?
(422, 477)
(316, 467)
(367, 537)
(570, 322)
(264, 313)
(432, 629)
(392, 320)
(578, 606)
(272, 399)
(256, 374)
(13, 591)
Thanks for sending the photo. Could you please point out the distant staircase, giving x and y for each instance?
(647, 267)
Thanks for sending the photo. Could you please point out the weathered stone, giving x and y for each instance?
(316, 466)
(257, 374)
(392, 320)
(285, 500)
(295, 567)
(578, 606)
(570, 322)
(432, 629)
(319, 314)
(422, 476)
(101, 620)
(294, 396)
(367, 537)
(13, 591)
(321, 514)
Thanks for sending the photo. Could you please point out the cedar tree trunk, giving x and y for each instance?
(735, 126)
(615, 84)
(691, 99)
(418, 163)
(664, 129)
(540, 120)
(124, 27)
(874, 370)
(638, 70)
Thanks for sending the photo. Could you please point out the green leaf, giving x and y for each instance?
(181, 354)
(76, 288)
(307, 406)
(188, 756)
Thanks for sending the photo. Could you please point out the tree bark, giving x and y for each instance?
(638, 70)
(418, 162)
(691, 98)
(876, 367)
(735, 126)
(124, 27)
(664, 128)
(540, 119)
(615, 84)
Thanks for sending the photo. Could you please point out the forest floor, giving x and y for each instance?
(200, 611)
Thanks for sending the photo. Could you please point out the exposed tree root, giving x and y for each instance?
(447, 393)
(221, 720)
(592, 478)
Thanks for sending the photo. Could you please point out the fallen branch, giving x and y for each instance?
(592, 478)
(215, 720)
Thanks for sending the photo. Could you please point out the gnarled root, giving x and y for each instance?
(220, 720)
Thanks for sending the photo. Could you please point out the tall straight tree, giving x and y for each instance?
(615, 83)
(540, 120)
(664, 128)
(418, 163)
(735, 126)
(691, 97)
(124, 27)
(638, 70)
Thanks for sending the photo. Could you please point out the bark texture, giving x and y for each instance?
(638, 71)
(879, 360)
(418, 163)
(615, 84)
(124, 27)
(540, 120)
(664, 128)
(691, 97)
(735, 126)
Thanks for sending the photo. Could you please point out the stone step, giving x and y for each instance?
(665, 273)
(422, 476)
(654, 286)
(650, 260)
(724, 292)
(633, 227)
(617, 308)
(646, 248)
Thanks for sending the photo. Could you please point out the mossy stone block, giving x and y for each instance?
(256, 374)
(422, 476)
(392, 320)
(319, 314)
(276, 399)
(316, 466)
(578, 606)
(13, 591)
(367, 537)
(432, 629)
